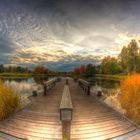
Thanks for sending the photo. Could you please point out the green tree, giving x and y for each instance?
(90, 70)
(110, 65)
(1, 68)
(138, 64)
(129, 57)
(123, 57)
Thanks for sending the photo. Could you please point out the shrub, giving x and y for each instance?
(130, 97)
(9, 101)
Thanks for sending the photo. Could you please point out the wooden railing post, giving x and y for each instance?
(88, 90)
(45, 91)
(67, 81)
(48, 85)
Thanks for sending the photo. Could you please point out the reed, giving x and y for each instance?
(9, 101)
(130, 97)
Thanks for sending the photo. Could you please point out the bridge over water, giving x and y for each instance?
(92, 119)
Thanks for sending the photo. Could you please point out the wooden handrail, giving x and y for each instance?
(84, 85)
(50, 81)
(49, 85)
(84, 82)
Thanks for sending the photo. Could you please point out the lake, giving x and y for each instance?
(104, 83)
(25, 85)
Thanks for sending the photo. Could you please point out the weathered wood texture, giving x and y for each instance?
(66, 111)
(84, 85)
(49, 85)
(38, 121)
(92, 120)
(84, 82)
(66, 102)
(66, 129)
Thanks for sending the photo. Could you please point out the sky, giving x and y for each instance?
(63, 34)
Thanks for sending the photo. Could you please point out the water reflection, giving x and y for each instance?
(40, 80)
(104, 83)
(25, 85)
(22, 87)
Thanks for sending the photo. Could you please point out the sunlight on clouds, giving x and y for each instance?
(124, 38)
(91, 48)
(56, 37)
(49, 50)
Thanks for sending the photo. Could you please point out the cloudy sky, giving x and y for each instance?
(62, 34)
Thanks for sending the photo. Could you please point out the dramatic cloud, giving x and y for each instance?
(65, 33)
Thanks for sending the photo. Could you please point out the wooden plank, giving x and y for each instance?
(66, 109)
(40, 120)
(66, 102)
(92, 120)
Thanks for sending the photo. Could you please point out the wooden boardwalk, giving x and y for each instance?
(92, 120)
(38, 121)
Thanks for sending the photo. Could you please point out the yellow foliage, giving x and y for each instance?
(9, 101)
(130, 98)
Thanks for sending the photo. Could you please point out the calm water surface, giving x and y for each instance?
(26, 85)
(104, 83)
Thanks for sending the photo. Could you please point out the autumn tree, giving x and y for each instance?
(40, 70)
(80, 70)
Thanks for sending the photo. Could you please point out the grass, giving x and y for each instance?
(9, 101)
(15, 75)
(26, 75)
(130, 96)
(111, 77)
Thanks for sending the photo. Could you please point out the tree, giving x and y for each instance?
(40, 70)
(110, 65)
(80, 70)
(129, 57)
(132, 55)
(138, 64)
(123, 57)
(1, 68)
(98, 69)
(90, 70)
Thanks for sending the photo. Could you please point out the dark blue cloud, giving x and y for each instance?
(5, 50)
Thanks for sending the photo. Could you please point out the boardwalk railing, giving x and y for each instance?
(84, 85)
(49, 85)
(66, 111)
